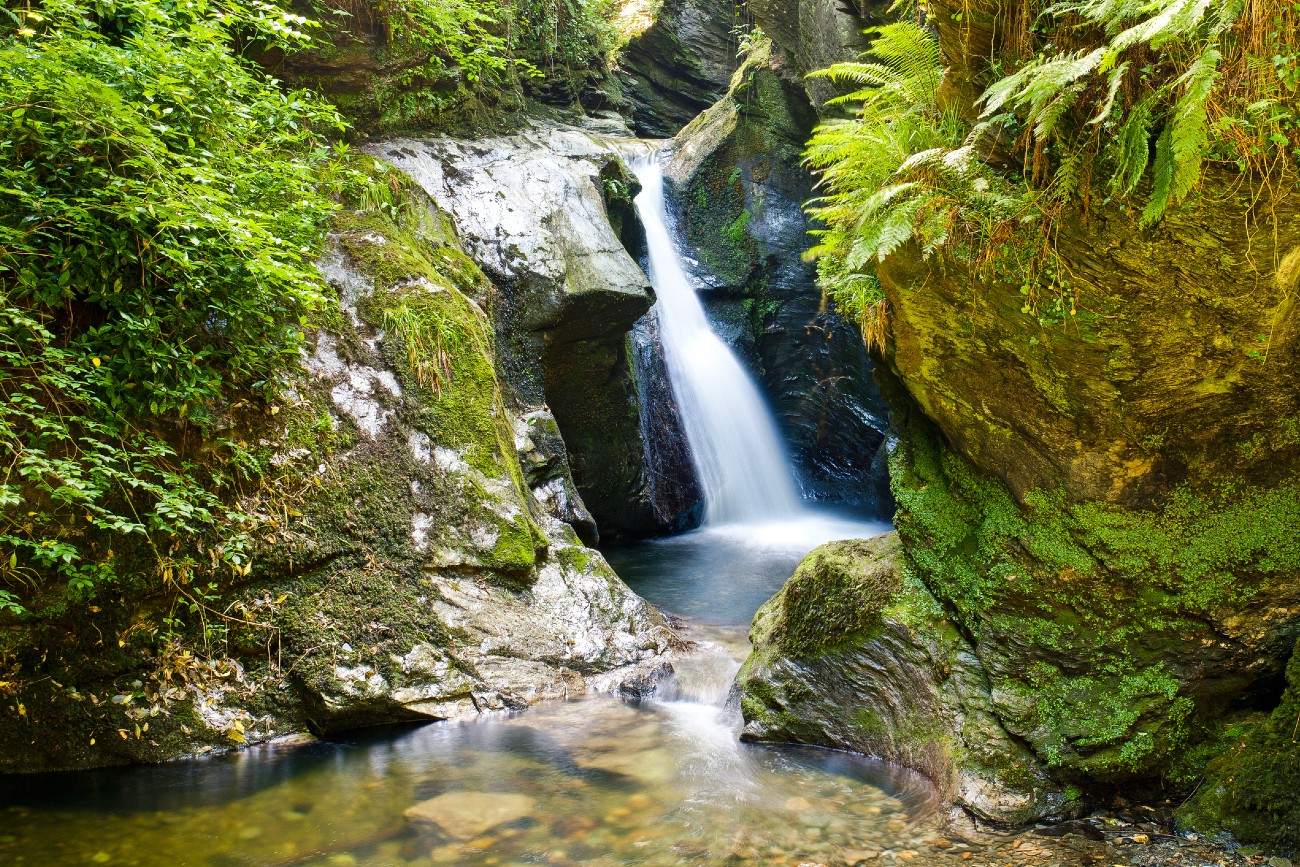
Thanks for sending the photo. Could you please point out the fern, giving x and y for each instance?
(1074, 99)
(1132, 149)
(899, 171)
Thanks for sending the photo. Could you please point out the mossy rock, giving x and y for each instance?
(1115, 638)
(1252, 791)
(397, 568)
(837, 595)
(855, 654)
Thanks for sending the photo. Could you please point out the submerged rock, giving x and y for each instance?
(466, 815)
(855, 654)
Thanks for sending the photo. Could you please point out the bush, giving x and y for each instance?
(161, 204)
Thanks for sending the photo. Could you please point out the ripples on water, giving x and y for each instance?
(594, 782)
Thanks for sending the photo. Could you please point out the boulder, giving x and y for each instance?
(534, 211)
(854, 653)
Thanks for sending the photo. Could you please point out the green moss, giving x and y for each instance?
(576, 557)
(836, 597)
(738, 229)
(1121, 594)
(1253, 790)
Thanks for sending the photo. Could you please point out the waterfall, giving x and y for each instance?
(737, 450)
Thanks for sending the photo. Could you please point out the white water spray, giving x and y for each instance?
(738, 453)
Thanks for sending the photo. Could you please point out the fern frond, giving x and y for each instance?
(1132, 148)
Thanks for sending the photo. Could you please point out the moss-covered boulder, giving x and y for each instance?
(1252, 791)
(854, 653)
(1104, 492)
(398, 564)
(737, 188)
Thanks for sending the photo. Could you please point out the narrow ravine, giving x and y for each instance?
(606, 780)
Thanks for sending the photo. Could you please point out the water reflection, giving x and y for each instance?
(594, 782)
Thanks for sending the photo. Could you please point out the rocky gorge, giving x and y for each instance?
(1091, 587)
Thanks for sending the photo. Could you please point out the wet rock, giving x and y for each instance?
(680, 65)
(652, 766)
(644, 683)
(854, 654)
(737, 188)
(466, 815)
(674, 488)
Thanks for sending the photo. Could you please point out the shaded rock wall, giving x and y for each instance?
(1252, 790)
(675, 489)
(680, 65)
(813, 34)
(738, 187)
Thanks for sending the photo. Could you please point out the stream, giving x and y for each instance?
(598, 781)
(601, 780)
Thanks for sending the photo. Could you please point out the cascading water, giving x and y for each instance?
(737, 451)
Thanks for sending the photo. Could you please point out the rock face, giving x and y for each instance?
(1105, 505)
(1253, 790)
(675, 492)
(738, 189)
(813, 34)
(414, 575)
(535, 211)
(680, 65)
(855, 654)
(465, 815)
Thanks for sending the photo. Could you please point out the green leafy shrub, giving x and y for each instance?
(465, 34)
(490, 41)
(161, 204)
(1209, 81)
